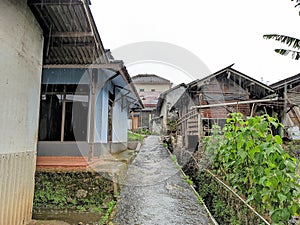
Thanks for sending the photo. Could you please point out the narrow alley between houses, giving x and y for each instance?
(155, 192)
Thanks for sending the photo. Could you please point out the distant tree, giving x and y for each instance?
(293, 43)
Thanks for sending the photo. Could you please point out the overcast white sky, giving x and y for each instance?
(219, 32)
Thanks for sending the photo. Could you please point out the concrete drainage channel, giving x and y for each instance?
(192, 188)
(155, 191)
(190, 182)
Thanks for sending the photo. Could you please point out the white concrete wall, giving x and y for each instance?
(148, 87)
(21, 45)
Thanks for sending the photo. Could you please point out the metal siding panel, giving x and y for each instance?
(3, 195)
(12, 186)
(1, 192)
(17, 187)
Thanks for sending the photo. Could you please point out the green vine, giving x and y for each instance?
(251, 159)
(110, 207)
(172, 126)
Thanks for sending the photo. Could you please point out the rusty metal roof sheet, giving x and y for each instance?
(256, 88)
(292, 82)
(70, 33)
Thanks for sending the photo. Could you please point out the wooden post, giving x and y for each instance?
(141, 117)
(132, 121)
(63, 117)
(284, 110)
(92, 114)
(200, 127)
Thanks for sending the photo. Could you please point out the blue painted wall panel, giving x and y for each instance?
(119, 118)
(65, 76)
(104, 116)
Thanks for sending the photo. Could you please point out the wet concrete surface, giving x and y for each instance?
(155, 192)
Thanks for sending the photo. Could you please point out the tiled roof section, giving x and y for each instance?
(149, 79)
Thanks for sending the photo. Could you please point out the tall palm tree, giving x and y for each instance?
(293, 43)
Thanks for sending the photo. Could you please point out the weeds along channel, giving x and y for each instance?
(73, 197)
(244, 174)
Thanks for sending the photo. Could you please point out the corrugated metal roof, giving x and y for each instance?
(149, 79)
(72, 39)
(292, 81)
(255, 87)
(71, 36)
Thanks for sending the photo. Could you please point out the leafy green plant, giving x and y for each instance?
(46, 193)
(174, 158)
(188, 180)
(58, 190)
(171, 126)
(221, 203)
(135, 137)
(98, 209)
(143, 131)
(110, 207)
(211, 144)
(81, 208)
(291, 42)
(293, 149)
(251, 159)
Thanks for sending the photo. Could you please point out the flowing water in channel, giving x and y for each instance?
(155, 192)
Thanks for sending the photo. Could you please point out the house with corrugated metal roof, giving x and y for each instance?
(289, 92)
(166, 101)
(63, 95)
(86, 95)
(209, 100)
(149, 87)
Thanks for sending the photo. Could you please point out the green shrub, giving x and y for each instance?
(135, 137)
(251, 159)
(110, 207)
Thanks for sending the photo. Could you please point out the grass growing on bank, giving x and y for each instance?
(109, 210)
(135, 137)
